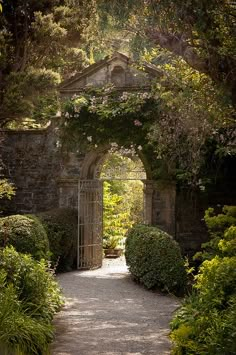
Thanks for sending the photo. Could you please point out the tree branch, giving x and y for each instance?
(178, 45)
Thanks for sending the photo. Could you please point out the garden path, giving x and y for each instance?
(107, 313)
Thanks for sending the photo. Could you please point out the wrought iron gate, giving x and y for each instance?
(90, 210)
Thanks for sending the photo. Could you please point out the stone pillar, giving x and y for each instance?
(68, 193)
(148, 200)
(163, 211)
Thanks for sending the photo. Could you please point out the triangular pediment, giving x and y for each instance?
(117, 70)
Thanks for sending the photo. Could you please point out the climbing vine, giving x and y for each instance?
(104, 116)
(172, 124)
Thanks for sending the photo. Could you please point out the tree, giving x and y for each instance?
(193, 45)
(201, 32)
(195, 125)
(40, 43)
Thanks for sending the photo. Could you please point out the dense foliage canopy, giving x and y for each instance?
(201, 32)
(40, 42)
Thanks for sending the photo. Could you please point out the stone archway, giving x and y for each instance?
(90, 207)
(79, 183)
(79, 175)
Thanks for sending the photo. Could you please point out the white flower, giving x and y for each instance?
(93, 108)
(93, 100)
(90, 138)
(124, 96)
(105, 100)
(145, 95)
(139, 147)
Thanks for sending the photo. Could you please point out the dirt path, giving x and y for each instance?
(107, 313)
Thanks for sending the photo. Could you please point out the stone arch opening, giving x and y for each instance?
(94, 159)
(90, 203)
(122, 174)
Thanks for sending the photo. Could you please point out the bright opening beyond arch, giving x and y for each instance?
(123, 201)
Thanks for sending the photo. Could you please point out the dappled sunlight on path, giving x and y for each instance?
(107, 313)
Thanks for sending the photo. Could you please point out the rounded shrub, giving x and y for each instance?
(154, 259)
(61, 226)
(26, 234)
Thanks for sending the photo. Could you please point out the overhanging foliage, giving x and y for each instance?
(173, 124)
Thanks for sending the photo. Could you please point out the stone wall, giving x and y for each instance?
(31, 160)
(47, 177)
(191, 230)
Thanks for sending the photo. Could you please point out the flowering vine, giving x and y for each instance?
(104, 116)
(171, 131)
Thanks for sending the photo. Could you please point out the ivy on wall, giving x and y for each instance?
(104, 116)
(175, 125)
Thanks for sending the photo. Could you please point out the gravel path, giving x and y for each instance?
(107, 313)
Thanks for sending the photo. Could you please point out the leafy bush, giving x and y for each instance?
(227, 245)
(35, 285)
(29, 297)
(7, 189)
(218, 223)
(154, 259)
(19, 331)
(206, 322)
(26, 234)
(222, 232)
(61, 226)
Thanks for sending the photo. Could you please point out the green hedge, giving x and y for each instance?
(61, 226)
(26, 234)
(154, 259)
(29, 297)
